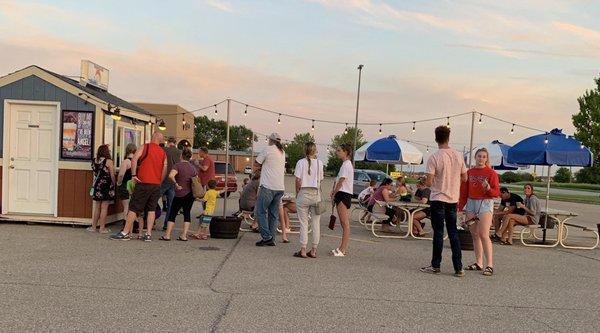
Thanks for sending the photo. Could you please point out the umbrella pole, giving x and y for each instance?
(547, 200)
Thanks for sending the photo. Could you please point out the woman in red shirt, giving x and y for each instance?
(477, 199)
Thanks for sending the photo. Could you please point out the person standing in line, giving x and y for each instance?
(445, 171)
(103, 193)
(167, 188)
(477, 196)
(181, 175)
(309, 174)
(271, 162)
(124, 176)
(341, 195)
(148, 177)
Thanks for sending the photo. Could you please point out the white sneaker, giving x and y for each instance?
(90, 229)
(337, 253)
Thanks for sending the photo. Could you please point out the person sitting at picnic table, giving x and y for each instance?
(508, 205)
(421, 196)
(287, 206)
(532, 210)
(403, 190)
(365, 196)
(384, 195)
(248, 198)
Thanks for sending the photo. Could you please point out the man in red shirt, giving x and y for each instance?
(206, 166)
(148, 170)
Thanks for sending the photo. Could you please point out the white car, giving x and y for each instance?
(248, 170)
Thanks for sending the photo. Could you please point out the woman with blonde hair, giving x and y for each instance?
(309, 174)
(477, 199)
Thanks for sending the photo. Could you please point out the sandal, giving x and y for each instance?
(163, 238)
(299, 255)
(310, 254)
(338, 253)
(502, 242)
(204, 237)
(473, 267)
(488, 271)
(182, 239)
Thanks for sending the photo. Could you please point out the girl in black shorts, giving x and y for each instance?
(342, 196)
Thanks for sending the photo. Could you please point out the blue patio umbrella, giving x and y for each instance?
(554, 148)
(497, 156)
(389, 150)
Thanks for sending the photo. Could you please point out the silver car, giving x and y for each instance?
(362, 178)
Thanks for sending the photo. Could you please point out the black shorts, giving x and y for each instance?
(122, 192)
(343, 197)
(144, 198)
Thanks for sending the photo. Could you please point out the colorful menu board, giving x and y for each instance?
(77, 135)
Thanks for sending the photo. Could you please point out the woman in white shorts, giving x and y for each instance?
(477, 200)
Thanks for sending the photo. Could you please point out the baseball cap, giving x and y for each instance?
(275, 137)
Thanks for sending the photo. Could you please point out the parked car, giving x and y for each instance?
(232, 185)
(248, 170)
(362, 178)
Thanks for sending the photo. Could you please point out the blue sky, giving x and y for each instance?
(524, 61)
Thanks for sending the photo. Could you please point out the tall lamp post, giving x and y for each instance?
(360, 67)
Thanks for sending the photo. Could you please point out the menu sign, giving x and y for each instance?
(77, 139)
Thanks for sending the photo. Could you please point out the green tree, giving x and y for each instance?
(213, 134)
(510, 177)
(334, 163)
(587, 125)
(563, 175)
(295, 149)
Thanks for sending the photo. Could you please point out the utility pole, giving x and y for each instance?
(360, 67)
(226, 161)
(472, 134)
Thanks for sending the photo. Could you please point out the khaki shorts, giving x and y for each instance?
(144, 198)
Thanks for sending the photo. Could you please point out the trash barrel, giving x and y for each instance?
(225, 227)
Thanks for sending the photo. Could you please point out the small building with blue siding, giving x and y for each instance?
(50, 129)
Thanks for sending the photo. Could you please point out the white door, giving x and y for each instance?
(32, 159)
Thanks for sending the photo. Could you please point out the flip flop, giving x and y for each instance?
(163, 238)
(299, 255)
(181, 239)
(310, 255)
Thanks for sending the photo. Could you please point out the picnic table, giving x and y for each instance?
(410, 208)
(562, 217)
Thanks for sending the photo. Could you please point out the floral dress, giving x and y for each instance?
(104, 189)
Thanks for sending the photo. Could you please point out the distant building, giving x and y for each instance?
(239, 160)
(178, 121)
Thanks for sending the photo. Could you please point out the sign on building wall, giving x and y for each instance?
(77, 137)
(94, 74)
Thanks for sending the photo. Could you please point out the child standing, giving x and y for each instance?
(210, 201)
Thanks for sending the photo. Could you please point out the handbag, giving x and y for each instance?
(197, 188)
(320, 207)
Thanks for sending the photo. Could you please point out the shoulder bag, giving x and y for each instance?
(198, 190)
(320, 207)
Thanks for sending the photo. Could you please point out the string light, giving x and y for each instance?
(414, 126)
(313, 125)
(246, 110)
(216, 112)
(345, 130)
(480, 116)
(546, 139)
(448, 122)
(279, 119)
(582, 146)
(427, 148)
(512, 130)
(379, 128)
(161, 125)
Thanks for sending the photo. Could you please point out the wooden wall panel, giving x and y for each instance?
(74, 193)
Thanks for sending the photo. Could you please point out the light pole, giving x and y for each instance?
(360, 67)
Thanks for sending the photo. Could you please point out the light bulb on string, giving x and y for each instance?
(512, 130)
(414, 126)
(216, 112)
(582, 146)
(246, 110)
(345, 130)
(427, 148)
(448, 122)
(546, 139)
(480, 116)
(379, 128)
(279, 119)
(313, 125)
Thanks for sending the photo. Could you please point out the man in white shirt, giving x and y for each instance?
(271, 162)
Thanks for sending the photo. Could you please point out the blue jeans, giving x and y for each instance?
(169, 191)
(267, 212)
(445, 212)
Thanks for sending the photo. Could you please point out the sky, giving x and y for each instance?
(523, 61)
